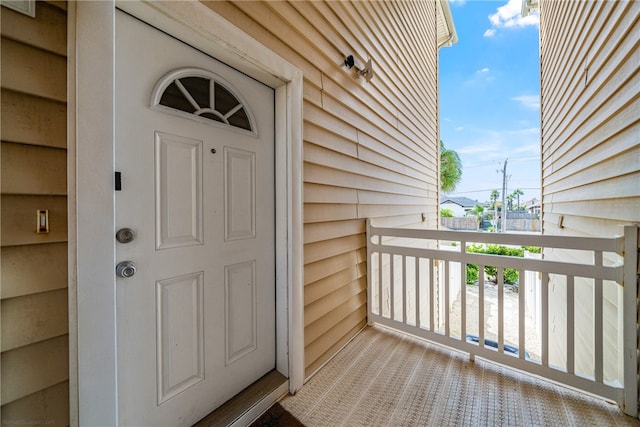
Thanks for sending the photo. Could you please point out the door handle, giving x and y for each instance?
(126, 269)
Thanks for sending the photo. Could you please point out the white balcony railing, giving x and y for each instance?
(416, 284)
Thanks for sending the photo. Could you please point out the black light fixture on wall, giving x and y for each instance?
(365, 72)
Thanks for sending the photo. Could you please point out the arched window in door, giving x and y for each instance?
(202, 95)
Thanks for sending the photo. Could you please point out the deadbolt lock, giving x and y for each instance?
(125, 235)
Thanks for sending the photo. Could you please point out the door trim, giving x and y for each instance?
(92, 310)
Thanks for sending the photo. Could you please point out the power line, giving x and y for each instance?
(492, 162)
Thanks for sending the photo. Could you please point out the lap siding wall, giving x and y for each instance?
(590, 102)
(34, 307)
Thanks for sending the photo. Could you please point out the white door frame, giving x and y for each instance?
(92, 302)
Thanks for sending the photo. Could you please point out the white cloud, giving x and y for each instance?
(528, 101)
(486, 148)
(532, 148)
(492, 144)
(509, 16)
(460, 128)
(457, 2)
(524, 132)
(480, 76)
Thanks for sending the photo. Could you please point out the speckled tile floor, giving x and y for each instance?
(385, 378)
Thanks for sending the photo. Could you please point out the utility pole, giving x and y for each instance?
(503, 221)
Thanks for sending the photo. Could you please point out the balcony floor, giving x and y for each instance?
(385, 378)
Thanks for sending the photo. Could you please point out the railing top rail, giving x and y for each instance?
(613, 272)
(612, 244)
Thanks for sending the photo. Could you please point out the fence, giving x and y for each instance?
(460, 223)
(470, 223)
(410, 288)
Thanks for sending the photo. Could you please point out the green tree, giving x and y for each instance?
(494, 198)
(477, 211)
(510, 198)
(450, 169)
(446, 213)
(517, 193)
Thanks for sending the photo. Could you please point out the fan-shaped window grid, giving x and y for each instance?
(207, 98)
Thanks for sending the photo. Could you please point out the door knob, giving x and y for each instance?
(125, 235)
(126, 269)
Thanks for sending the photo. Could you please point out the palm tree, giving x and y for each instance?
(478, 211)
(517, 193)
(510, 198)
(494, 198)
(450, 169)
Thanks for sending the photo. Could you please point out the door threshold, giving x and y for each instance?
(249, 404)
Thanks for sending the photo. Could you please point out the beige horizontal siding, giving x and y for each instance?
(322, 269)
(370, 149)
(590, 69)
(380, 179)
(34, 318)
(47, 32)
(34, 300)
(622, 187)
(318, 232)
(317, 251)
(29, 169)
(45, 407)
(33, 71)
(30, 269)
(319, 193)
(579, 225)
(323, 287)
(346, 143)
(622, 142)
(29, 369)
(339, 299)
(590, 116)
(32, 120)
(18, 223)
(320, 156)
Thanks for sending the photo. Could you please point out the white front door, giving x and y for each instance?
(195, 153)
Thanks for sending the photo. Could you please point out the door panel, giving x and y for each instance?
(239, 194)
(178, 184)
(180, 338)
(196, 323)
(240, 309)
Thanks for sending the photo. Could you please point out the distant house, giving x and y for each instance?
(458, 205)
(533, 206)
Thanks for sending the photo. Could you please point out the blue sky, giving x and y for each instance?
(490, 97)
